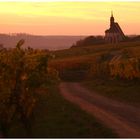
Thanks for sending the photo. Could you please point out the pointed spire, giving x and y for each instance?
(111, 19)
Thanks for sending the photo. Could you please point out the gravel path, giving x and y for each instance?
(122, 118)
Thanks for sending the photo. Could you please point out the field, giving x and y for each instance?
(91, 65)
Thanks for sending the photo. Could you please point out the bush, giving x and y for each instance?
(122, 65)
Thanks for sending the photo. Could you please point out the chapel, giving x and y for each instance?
(114, 34)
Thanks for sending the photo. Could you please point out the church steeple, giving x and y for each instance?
(111, 19)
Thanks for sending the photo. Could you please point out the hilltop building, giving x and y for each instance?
(114, 34)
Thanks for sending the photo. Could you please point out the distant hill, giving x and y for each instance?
(99, 40)
(88, 41)
(41, 42)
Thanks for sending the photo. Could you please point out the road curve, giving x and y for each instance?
(122, 118)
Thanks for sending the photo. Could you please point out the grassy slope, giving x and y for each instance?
(91, 50)
(57, 118)
(128, 92)
(86, 55)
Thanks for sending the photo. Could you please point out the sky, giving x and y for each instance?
(68, 18)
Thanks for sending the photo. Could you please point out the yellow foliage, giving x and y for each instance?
(128, 68)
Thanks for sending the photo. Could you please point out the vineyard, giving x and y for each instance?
(24, 75)
(27, 76)
(123, 65)
(121, 61)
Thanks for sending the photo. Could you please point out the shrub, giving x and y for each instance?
(23, 72)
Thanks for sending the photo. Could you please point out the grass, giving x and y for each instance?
(58, 118)
(124, 91)
(89, 50)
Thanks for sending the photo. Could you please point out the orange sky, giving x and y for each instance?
(68, 18)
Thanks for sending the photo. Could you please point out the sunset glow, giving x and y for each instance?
(68, 18)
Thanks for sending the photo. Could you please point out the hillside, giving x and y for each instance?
(113, 70)
(92, 50)
(86, 56)
(41, 75)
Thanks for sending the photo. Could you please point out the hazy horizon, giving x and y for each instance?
(39, 42)
(18, 33)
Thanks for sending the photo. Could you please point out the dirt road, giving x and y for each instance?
(123, 119)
